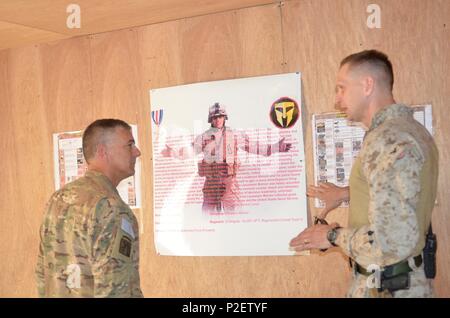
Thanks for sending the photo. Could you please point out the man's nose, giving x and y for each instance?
(337, 102)
(137, 152)
(337, 106)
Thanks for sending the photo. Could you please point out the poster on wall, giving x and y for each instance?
(69, 165)
(228, 167)
(337, 142)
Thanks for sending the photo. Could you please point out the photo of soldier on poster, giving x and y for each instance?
(220, 164)
(227, 153)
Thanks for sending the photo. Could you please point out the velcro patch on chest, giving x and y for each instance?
(125, 246)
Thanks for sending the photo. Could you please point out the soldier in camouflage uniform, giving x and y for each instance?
(392, 185)
(89, 237)
(220, 164)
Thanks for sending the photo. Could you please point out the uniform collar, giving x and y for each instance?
(214, 129)
(390, 112)
(101, 179)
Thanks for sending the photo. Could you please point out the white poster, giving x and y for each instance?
(228, 167)
(70, 165)
(337, 142)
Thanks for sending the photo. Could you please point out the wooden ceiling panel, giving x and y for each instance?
(15, 35)
(97, 16)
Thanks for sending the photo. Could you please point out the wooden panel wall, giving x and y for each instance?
(66, 85)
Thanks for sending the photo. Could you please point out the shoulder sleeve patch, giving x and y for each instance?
(125, 246)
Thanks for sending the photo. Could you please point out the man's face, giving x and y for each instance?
(349, 96)
(218, 121)
(122, 153)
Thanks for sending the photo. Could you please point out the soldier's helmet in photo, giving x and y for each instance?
(217, 110)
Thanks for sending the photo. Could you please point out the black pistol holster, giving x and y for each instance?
(429, 254)
(396, 277)
(393, 277)
(389, 280)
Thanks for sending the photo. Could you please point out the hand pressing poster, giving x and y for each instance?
(228, 167)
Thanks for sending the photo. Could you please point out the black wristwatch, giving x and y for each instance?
(332, 235)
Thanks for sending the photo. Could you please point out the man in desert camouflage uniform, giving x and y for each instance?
(392, 185)
(89, 237)
(220, 164)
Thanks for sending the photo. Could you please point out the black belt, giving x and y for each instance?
(394, 269)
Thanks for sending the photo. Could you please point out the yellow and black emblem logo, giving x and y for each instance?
(284, 112)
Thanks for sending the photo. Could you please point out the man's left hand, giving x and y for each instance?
(314, 237)
(283, 146)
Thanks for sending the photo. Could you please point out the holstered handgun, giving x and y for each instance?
(429, 254)
(394, 283)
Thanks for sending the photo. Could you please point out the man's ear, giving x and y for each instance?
(368, 85)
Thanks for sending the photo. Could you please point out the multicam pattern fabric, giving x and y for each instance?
(397, 168)
(89, 243)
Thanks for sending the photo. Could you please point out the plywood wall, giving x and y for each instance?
(65, 85)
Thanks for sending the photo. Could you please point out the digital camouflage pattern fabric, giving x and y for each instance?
(392, 193)
(89, 242)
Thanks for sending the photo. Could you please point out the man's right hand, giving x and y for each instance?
(330, 194)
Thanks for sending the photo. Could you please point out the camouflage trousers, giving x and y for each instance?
(420, 286)
(220, 194)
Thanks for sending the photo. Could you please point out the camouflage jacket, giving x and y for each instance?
(222, 145)
(89, 242)
(392, 190)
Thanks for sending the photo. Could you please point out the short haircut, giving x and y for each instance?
(375, 59)
(97, 133)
